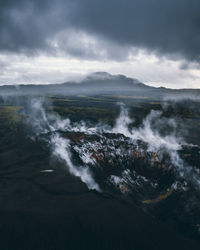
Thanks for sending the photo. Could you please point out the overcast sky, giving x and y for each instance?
(48, 41)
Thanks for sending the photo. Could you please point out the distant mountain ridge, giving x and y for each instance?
(97, 83)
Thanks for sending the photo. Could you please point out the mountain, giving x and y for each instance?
(98, 83)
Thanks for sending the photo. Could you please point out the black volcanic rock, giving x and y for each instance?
(43, 206)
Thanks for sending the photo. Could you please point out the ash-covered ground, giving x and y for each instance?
(99, 172)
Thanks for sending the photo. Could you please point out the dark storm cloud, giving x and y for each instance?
(168, 27)
(24, 25)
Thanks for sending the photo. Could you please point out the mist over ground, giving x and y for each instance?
(83, 150)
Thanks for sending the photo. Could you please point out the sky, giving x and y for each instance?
(54, 41)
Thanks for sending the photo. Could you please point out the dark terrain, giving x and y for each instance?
(134, 194)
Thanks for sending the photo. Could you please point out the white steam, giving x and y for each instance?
(47, 122)
(152, 137)
(44, 123)
(122, 122)
(155, 141)
(62, 150)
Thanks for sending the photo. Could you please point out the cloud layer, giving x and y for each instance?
(156, 41)
(166, 27)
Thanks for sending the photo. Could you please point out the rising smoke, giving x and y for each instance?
(48, 122)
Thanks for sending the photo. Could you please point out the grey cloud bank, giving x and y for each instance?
(166, 27)
(156, 41)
